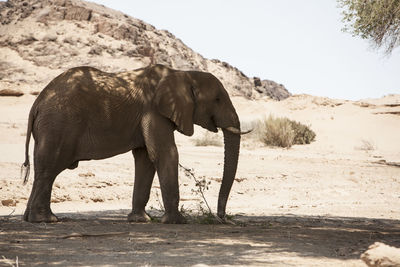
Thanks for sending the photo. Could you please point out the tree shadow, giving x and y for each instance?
(106, 238)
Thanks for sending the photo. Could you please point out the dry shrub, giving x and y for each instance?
(208, 139)
(282, 132)
(366, 145)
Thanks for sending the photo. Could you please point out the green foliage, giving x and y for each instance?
(283, 132)
(375, 20)
(302, 133)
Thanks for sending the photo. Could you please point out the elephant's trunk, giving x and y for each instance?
(232, 145)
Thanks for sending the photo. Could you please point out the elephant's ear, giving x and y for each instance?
(174, 100)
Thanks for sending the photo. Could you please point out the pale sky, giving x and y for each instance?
(297, 43)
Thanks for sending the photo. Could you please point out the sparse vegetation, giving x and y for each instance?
(282, 132)
(204, 214)
(302, 133)
(208, 139)
(200, 215)
(366, 145)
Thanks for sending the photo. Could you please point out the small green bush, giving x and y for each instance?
(302, 133)
(282, 132)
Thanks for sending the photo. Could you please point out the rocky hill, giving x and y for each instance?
(41, 38)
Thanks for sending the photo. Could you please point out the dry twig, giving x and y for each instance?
(189, 172)
(82, 235)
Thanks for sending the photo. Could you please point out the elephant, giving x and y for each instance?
(87, 114)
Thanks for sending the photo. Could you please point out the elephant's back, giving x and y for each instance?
(82, 86)
(78, 78)
(90, 97)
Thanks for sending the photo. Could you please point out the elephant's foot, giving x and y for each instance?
(40, 216)
(173, 218)
(139, 217)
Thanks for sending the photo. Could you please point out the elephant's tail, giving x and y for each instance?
(26, 166)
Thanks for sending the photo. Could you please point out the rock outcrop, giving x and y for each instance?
(41, 38)
(381, 255)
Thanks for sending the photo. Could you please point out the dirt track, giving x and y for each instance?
(105, 238)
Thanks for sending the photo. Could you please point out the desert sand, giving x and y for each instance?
(321, 204)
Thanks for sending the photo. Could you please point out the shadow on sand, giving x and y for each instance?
(106, 238)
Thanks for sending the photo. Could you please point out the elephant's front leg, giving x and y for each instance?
(167, 169)
(158, 133)
(144, 175)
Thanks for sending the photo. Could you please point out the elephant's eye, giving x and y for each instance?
(218, 99)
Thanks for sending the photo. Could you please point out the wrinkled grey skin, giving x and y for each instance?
(86, 114)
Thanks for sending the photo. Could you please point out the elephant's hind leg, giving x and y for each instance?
(47, 167)
(38, 208)
(144, 175)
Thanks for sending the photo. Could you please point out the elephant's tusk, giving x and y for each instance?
(237, 131)
(246, 132)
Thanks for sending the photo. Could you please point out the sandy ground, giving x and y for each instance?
(314, 205)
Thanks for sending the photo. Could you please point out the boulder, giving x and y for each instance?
(382, 255)
(257, 81)
(77, 13)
